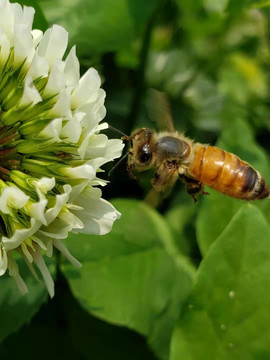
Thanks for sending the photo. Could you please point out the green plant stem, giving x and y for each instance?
(140, 83)
(57, 262)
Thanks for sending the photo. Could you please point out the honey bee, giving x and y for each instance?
(174, 156)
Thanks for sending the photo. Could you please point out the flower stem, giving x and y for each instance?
(140, 83)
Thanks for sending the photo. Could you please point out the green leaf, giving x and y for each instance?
(215, 6)
(95, 25)
(260, 4)
(133, 276)
(40, 21)
(236, 7)
(16, 309)
(180, 217)
(142, 10)
(98, 26)
(74, 334)
(242, 76)
(217, 209)
(227, 315)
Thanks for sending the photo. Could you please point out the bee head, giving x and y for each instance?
(141, 150)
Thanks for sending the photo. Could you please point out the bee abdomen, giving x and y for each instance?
(226, 173)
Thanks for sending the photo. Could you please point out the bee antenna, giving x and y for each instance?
(119, 132)
(118, 163)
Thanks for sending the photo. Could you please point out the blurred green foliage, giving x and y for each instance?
(191, 279)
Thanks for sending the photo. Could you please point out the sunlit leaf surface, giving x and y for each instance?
(129, 278)
(226, 316)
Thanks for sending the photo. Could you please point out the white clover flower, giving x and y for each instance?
(50, 145)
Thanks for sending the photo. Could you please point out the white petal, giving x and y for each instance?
(98, 215)
(102, 126)
(13, 268)
(49, 251)
(37, 211)
(23, 45)
(23, 15)
(60, 200)
(52, 130)
(28, 16)
(69, 218)
(72, 129)
(45, 184)
(17, 13)
(61, 247)
(20, 235)
(86, 138)
(98, 182)
(77, 189)
(21, 284)
(113, 151)
(72, 69)
(53, 44)
(84, 145)
(57, 229)
(56, 82)
(12, 198)
(24, 249)
(39, 261)
(39, 67)
(30, 93)
(81, 172)
(7, 19)
(98, 141)
(4, 48)
(37, 36)
(95, 110)
(87, 90)
(40, 243)
(14, 272)
(3, 260)
(91, 122)
(62, 106)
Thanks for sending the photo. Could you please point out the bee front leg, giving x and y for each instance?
(130, 173)
(194, 187)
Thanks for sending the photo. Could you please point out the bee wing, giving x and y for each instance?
(159, 110)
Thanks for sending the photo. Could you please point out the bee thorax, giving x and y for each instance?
(168, 147)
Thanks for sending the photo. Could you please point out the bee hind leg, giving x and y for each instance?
(193, 187)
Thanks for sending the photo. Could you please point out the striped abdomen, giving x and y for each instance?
(226, 173)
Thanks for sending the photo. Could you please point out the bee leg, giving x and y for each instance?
(194, 191)
(130, 173)
(205, 193)
(194, 187)
(165, 176)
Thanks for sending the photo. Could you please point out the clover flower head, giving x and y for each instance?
(51, 145)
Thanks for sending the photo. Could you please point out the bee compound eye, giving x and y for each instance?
(145, 157)
(146, 154)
